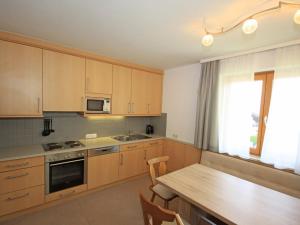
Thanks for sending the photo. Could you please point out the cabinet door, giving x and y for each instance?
(139, 104)
(102, 169)
(175, 150)
(154, 93)
(63, 82)
(121, 90)
(21, 80)
(154, 150)
(98, 77)
(130, 163)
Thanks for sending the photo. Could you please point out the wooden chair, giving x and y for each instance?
(158, 167)
(156, 215)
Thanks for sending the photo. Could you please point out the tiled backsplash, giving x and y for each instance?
(71, 126)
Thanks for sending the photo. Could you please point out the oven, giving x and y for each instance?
(65, 170)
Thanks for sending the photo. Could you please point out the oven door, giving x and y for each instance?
(65, 174)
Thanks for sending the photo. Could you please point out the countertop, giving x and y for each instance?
(28, 151)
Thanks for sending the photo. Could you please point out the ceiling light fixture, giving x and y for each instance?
(297, 17)
(249, 25)
(207, 40)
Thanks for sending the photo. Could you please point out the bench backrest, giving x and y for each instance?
(266, 176)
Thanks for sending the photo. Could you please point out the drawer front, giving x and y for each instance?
(66, 193)
(21, 163)
(23, 199)
(20, 179)
(131, 146)
(153, 143)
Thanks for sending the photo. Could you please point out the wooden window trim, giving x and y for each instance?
(267, 79)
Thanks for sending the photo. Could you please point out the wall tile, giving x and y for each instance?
(70, 126)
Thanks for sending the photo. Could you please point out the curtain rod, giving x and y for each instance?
(255, 50)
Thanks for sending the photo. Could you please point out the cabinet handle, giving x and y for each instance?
(38, 104)
(155, 143)
(17, 165)
(82, 103)
(17, 197)
(17, 176)
(121, 159)
(129, 107)
(132, 107)
(148, 108)
(132, 146)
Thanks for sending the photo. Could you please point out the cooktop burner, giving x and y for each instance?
(62, 145)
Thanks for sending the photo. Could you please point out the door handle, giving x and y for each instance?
(121, 159)
(17, 197)
(38, 104)
(17, 176)
(129, 108)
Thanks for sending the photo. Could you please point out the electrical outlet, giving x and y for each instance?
(89, 136)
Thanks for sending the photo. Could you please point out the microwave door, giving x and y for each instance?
(94, 105)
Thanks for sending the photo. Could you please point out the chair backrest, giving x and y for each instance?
(159, 164)
(156, 215)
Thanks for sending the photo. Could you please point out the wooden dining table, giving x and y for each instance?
(231, 199)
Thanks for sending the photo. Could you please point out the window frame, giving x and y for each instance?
(267, 78)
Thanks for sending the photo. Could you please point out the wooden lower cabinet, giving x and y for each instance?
(22, 199)
(21, 163)
(103, 169)
(20, 179)
(131, 163)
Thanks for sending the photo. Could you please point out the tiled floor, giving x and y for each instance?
(118, 205)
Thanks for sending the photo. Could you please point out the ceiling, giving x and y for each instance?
(157, 33)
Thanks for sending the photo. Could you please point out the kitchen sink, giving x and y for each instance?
(132, 137)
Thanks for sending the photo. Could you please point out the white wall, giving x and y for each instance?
(180, 99)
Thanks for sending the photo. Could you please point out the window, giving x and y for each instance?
(263, 86)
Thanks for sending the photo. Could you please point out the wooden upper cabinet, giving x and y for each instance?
(139, 92)
(121, 97)
(154, 93)
(63, 82)
(21, 80)
(98, 77)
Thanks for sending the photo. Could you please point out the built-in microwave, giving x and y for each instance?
(98, 105)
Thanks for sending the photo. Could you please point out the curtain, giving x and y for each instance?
(281, 145)
(206, 117)
(236, 103)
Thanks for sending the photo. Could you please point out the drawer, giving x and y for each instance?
(66, 193)
(21, 163)
(153, 143)
(23, 199)
(131, 146)
(21, 179)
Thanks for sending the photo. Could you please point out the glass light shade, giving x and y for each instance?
(249, 26)
(207, 40)
(297, 17)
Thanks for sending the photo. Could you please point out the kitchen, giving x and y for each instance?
(111, 115)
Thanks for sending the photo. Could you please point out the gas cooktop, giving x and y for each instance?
(62, 145)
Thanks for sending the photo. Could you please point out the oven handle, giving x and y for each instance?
(62, 163)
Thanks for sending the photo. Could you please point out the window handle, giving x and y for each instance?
(265, 120)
